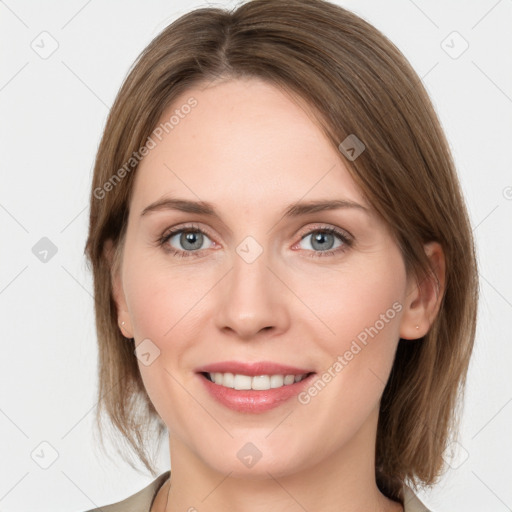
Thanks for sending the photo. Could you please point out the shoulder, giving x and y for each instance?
(412, 503)
(141, 501)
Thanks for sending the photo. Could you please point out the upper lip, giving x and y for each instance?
(252, 368)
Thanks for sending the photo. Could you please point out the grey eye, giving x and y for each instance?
(322, 240)
(189, 240)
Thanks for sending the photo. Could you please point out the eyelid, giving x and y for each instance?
(303, 232)
(186, 227)
(346, 237)
(324, 226)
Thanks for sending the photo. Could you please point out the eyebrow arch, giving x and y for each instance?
(294, 210)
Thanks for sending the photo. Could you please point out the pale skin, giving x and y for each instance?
(251, 151)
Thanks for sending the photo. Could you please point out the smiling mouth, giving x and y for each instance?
(258, 382)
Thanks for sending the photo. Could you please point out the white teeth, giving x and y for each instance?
(259, 382)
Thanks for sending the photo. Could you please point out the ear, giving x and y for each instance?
(424, 298)
(117, 291)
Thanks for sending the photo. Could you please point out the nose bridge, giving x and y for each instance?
(250, 271)
(252, 300)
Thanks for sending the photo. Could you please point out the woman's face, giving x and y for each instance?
(253, 283)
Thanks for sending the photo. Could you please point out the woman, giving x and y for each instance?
(307, 349)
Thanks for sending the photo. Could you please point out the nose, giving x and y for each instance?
(252, 300)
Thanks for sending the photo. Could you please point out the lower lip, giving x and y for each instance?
(252, 400)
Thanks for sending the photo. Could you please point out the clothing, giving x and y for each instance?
(143, 500)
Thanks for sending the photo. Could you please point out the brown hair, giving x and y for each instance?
(357, 82)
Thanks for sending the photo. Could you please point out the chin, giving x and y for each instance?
(249, 462)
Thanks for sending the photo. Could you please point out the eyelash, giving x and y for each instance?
(347, 241)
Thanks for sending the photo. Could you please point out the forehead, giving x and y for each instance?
(243, 139)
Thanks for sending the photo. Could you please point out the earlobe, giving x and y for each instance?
(424, 297)
(117, 291)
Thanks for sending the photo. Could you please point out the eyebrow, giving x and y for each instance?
(293, 210)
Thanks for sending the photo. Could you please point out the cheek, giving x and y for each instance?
(368, 308)
(165, 307)
(360, 312)
(162, 299)
(153, 308)
(366, 294)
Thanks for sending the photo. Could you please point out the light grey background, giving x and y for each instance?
(52, 113)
